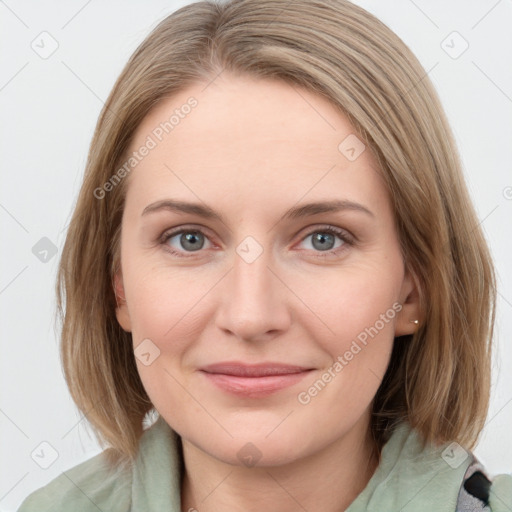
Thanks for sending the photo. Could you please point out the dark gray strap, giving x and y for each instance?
(474, 490)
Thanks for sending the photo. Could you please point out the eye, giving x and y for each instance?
(189, 240)
(323, 241)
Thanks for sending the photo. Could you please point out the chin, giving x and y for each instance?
(251, 448)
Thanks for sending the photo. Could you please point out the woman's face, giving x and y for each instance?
(250, 275)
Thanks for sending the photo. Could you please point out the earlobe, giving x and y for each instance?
(122, 314)
(410, 318)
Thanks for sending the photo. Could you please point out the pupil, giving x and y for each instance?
(323, 239)
(192, 239)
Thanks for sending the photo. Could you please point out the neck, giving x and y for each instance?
(328, 480)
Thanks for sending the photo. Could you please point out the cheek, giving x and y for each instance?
(163, 308)
(354, 325)
(350, 299)
(165, 304)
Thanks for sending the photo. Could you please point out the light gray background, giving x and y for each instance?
(49, 107)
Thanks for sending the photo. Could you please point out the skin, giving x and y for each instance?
(251, 150)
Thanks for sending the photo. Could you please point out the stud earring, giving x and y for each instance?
(415, 322)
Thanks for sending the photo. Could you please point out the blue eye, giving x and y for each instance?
(193, 240)
(324, 238)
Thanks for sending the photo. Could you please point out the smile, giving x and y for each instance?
(254, 381)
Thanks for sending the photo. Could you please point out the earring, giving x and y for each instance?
(415, 322)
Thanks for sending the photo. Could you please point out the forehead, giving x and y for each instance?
(251, 140)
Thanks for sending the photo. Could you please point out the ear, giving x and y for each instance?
(122, 314)
(410, 300)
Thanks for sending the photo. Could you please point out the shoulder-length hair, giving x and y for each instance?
(439, 378)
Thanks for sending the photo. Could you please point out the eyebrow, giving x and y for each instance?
(295, 212)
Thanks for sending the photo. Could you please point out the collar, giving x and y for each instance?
(409, 478)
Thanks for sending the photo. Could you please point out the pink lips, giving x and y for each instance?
(254, 380)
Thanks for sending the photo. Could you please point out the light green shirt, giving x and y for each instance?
(408, 479)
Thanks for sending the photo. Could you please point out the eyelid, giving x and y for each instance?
(341, 232)
(172, 232)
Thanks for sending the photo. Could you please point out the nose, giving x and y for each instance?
(254, 299)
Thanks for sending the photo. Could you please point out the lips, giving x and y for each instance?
(238, 369)
(253, 381)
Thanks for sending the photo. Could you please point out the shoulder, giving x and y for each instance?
(500, 498)
(416, 475)
(89, 486)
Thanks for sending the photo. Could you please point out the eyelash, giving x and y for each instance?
(343, 235)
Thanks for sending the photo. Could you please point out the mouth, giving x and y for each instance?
(253, 380)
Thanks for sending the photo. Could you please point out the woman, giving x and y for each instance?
(274, 250)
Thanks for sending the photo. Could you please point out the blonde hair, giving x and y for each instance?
(439, 378)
